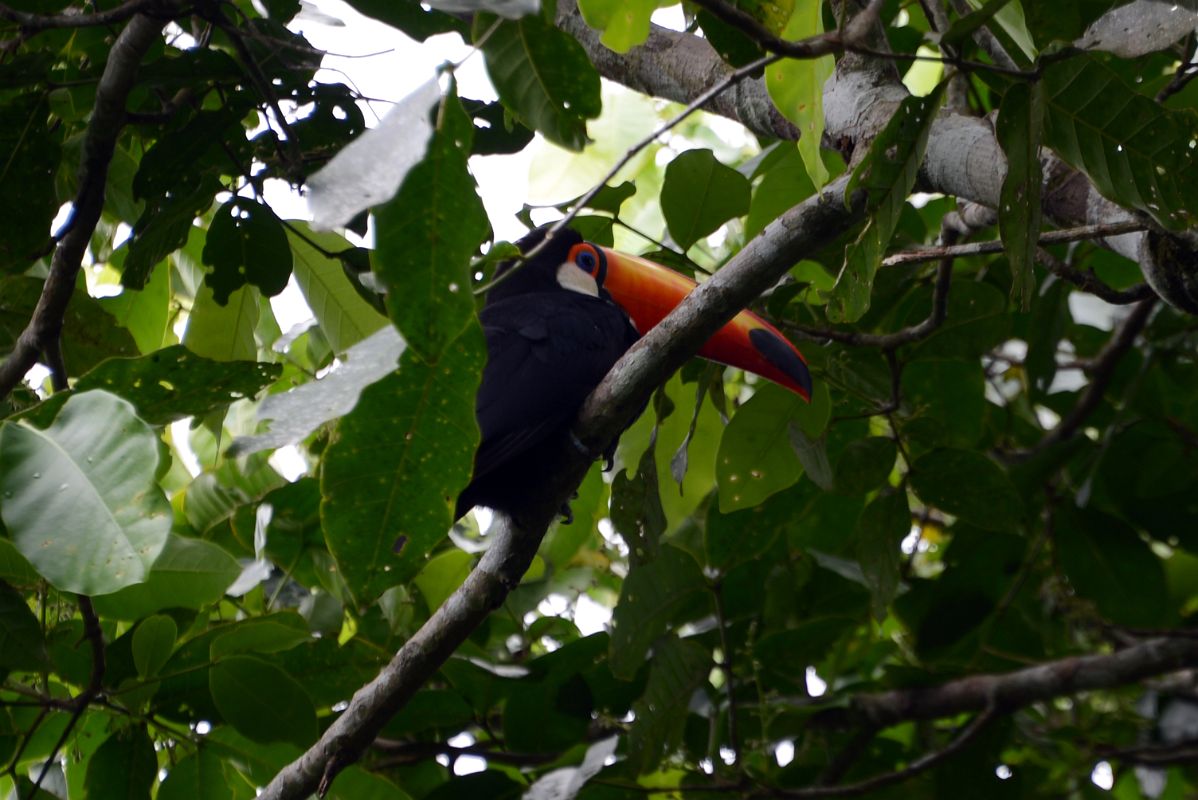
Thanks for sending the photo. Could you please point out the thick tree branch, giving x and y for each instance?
(514, 538)
(1011, 691)
(45, 327)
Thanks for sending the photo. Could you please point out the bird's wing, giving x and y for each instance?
(545, 353)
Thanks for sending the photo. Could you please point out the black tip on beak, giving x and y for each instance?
(781, 354)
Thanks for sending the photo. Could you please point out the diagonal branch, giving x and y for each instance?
(128, 9)
(44, 330)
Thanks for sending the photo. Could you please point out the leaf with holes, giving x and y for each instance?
(80, 499)
(425, 237)
(1135, 152)
(246, 244)
(396, 465)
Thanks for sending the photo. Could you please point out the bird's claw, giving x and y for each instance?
(567, 513)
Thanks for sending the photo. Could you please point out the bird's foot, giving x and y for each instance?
(566, 512)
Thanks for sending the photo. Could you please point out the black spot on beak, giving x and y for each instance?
(776, 351)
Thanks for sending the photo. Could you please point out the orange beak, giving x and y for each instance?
(649, 291)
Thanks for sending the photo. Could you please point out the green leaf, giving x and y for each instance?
(543, 76)
(261, 701)
(224, 332)
(813, 455)
(344, 317)
(22, 646)
(1019, 127)
(963, 28)
(797, 88)
(756, 458)
(153, 643)
(124, 767)
(649, 598)
(679, 668)
(80, 498)
(1110, 565)
(882, 526)
(426, 235)
(31, 157)
(199, 776)
(165, 226)
(969, 485)
(173, 383)
(15, 569)
(624, 24)
(948, 401)
(732, 539)
(442, 575)
(1134, 151)
(274, 633)
(700, 194)
(865, 465)
(392, 474)
(246, 243)
(887, 174)
(146, 314)
(190, 573)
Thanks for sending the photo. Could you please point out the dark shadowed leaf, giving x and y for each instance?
(1110, 565)
(261, 701)
(197, 777)
(651, 595)
(969, 485)
(125, 766)
(246, 244)
(1019, 128)
(882, 526)
(22, 646)
(679, 668)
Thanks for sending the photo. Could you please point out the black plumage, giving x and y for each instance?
(548, 347)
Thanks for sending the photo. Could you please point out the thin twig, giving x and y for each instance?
(728, 81)
(725, 665)
(1100, 377)
(995, 246)
(921, 764)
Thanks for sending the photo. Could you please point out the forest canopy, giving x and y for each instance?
(968, 566)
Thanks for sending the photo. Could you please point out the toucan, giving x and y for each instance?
(556, 326)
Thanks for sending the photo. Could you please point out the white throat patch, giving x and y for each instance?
(571, 277)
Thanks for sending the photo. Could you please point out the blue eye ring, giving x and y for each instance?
(586, 261)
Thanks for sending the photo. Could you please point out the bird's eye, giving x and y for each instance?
(586, 261)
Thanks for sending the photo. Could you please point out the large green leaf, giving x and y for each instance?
(261, 701)
(1133, 150)
(224, 332)
(190, 573)
(679, 668)
(344, 317)
(153, 642)
(886, 174)
(125, 766)
(969, 485)
(543, 76)
(797, 87)
(650, 597)
(80, 500)
(881, 528)
(426, 235)
(146, 314)
(756, 458)
(700, 194)
(173, 383)
(397, 462)
(1019, 128)
(197, 777)
(1110, 565)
